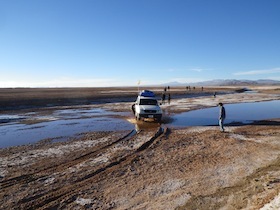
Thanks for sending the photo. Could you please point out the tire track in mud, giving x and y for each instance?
(50, 201)
(26, 178)
(53, 198)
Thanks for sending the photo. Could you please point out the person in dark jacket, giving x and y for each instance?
(222, 117)
(169, 98)
(163, 98)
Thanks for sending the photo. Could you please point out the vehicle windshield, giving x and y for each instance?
(148, 102)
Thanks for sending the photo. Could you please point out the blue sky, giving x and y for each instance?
(87, 43)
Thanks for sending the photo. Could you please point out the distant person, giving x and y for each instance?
(163, 98)
(214, 94)
(222, 117)
(169, 98)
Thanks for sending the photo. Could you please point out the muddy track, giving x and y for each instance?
(53, 197)
(26, 178)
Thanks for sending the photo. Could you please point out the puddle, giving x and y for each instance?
(83, 113)
(18, 134)
(36, 117)
(60, 124)
(243, 113)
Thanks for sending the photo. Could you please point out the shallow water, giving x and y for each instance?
(243, 113)
(18, 134)
(62, 124)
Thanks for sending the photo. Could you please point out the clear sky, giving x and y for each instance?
(86, 43)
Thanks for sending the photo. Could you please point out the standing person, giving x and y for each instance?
(222, 117)
(163, 98)
(169, 98)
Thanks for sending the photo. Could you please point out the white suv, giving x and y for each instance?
(146, 106)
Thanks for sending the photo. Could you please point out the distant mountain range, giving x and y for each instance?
(227, 82)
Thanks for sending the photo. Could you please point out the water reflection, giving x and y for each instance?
(243, 112)
(59, 124)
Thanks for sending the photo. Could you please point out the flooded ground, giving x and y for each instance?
(62, 123)
(58, 125)
(235, 113)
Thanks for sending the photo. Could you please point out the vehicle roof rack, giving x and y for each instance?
(147, 93)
